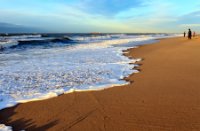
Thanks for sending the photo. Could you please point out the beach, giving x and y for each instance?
(164, 95)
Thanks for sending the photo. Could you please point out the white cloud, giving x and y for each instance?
(190, 25)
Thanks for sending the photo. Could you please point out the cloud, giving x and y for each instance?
(108, 7)
(190, 19)
(190, 25)
(13, 28)
(190, 15)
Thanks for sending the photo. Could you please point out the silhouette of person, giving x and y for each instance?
(189, 34)
(184, 34)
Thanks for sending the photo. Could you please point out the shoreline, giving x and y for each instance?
(105, 87)
(140, 105)
(58, 93)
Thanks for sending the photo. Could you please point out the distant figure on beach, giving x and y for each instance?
(194, 34)
(184, 34)
(189, 34)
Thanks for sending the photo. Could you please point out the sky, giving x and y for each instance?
(106, 16)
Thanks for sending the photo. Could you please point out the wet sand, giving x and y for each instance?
(164, 96)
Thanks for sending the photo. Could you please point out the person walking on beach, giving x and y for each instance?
(189, 34)
(184, 34)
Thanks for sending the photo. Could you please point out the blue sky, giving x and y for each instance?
(102, 15)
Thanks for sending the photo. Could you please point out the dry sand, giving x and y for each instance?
(164, 96)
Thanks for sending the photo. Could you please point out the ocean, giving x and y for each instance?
(41, 66)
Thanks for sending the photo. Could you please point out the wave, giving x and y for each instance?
(55, 40)
(18, 37)
(99, 37)
(26, 41)
(7, 44)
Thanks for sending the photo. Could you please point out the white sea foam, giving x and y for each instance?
(20, 37)
(7, 43)
(5, 128)
(37, 74)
